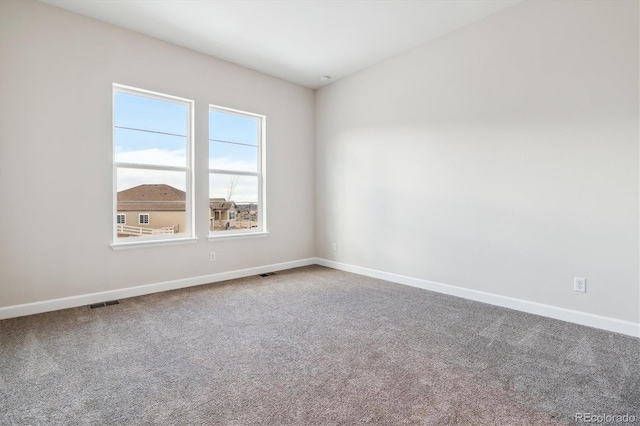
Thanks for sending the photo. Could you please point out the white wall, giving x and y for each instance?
(56, 74)
(501, 158)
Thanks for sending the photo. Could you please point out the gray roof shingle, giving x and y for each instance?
(151, 197)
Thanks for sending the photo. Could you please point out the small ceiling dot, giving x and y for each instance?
(325, 78)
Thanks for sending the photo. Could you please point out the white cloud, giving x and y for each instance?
(246, 189)
(128, 178)
(157, 156)
(223, 163)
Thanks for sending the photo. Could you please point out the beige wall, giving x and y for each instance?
(157, 219)
(502, 158)
(56, 76)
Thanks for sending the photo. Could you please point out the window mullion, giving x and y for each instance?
(233, 172)
(151, 167)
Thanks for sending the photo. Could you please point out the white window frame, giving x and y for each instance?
(189, 234)
(261, 230)
(124, 218)
(140, 215)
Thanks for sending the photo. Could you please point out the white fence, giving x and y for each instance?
(136, 230)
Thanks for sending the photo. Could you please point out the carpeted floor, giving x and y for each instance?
(310, 346)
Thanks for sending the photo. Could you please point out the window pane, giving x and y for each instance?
(139, 112)
(233, 128)
(134, 146)
(233, 202)
(235, 141)
(155, 197)
(152, 131)
(233, 157)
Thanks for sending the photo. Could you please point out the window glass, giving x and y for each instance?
(152, 164)
(236, 179)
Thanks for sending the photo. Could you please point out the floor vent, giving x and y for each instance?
(103, 304)
(267, 274)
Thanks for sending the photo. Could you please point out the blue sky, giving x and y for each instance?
(233, 146)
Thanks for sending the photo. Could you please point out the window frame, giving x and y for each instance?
(124, 220)
(148, 217)
(189, 233)
(260, 174)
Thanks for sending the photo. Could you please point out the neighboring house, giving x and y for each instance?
(222, 214)
(160, 209)
(151, 209)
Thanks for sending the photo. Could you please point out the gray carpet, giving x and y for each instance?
(310, 346)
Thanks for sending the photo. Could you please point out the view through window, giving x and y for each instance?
(152, 162)
(236, 203)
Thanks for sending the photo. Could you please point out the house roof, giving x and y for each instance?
(151, 197)
(161, 197)
(220, 204)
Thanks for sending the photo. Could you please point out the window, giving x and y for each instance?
(236, 172)
(121, 219)
(152, 151)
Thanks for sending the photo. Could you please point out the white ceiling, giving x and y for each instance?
(296, 40)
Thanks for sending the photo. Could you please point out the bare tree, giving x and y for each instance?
(233, 181)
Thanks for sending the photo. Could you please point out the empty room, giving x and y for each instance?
(316, 212)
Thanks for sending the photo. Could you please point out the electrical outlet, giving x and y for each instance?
(580, 284)
(335, 246)
(212, 256)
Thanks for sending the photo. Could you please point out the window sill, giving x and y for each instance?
(152, 243)
(213, 237)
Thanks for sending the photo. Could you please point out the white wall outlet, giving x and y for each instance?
(212, 256)
(335, 246)
(580, 284)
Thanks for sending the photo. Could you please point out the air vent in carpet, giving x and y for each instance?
(267, 274)
(103, 304)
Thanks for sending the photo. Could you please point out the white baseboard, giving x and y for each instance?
(87, 299)
(605, 323)
(577, 317)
